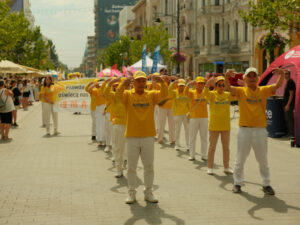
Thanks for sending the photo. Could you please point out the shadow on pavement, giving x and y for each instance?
(181, 153)
(267, 201)
(225, 180)
(151, 214)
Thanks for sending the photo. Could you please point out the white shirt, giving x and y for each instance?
(8, 101)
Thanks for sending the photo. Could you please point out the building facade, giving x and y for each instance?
(23, 5)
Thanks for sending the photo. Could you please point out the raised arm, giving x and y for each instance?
(163, 92)
(187, 88)
(279, 80)
(228, 87)
(120, 93)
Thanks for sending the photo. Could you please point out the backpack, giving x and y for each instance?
(2, 103)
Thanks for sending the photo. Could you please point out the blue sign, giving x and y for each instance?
(144, 62)
(155, 59)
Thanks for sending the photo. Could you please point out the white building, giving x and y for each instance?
(126, 16)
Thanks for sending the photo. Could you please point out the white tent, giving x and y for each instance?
(149, 61)
(10, 67)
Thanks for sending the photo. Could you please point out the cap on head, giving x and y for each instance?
(155, 74)
(200, 79)
(96, 80)
(219, 78)
(181, 82)
(249, 70)
(139, 74)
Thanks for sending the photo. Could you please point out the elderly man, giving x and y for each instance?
(140, 129)
(252, 125)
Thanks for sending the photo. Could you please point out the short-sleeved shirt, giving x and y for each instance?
(252, 105)
(17, 93)
(9, 104)
(290, 86)
(198, 103)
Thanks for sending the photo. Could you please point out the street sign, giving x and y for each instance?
(172, 44)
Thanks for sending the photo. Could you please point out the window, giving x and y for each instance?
(203, 3)
(203, 35)
(166, 6)
(217, 34)
(227, 32)
(246, 32)
(217, 2)
(236, 31)
(228, 1)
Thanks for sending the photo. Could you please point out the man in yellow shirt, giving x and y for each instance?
(180, 108)
(198, 117)
(92, 93)
(140, 130)
(252, 125)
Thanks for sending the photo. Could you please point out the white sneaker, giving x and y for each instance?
(228, 171)
(119, 174)
(131, 198)
(191, 158)
(107, 148)
(210, 171)
(149, 197)
(177, 148)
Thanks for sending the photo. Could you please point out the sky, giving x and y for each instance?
(67, 23)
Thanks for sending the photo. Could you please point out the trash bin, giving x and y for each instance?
(275, 117)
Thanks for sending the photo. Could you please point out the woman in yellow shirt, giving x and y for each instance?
(48, 94)
(219, 121)
(180, 108)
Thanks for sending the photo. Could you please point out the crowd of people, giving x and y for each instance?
(15, 93)
(129, 114)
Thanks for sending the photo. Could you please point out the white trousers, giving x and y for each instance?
(257, 139)
(107, 129)
(156, 118)
(93, 115)
(162, 117)
(143, 147)
(43, 113)
(118, 144)
(179, 120)
(48, 108)
(100, 122)
(201, 125)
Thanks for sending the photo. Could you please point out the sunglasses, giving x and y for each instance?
(221, 85)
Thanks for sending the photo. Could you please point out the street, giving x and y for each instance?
(67, 180)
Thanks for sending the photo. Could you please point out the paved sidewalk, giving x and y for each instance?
(66, 180)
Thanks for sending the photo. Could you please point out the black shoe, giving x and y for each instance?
(236, 189)
(268, 190)
(16, 125)
(93, 138)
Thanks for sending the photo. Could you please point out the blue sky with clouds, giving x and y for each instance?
(67, 23)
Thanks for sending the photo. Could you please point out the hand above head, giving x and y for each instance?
(278, 71)
(229, 73)
(127, 81)
(158, 79)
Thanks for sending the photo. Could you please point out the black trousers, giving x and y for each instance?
(289, 120)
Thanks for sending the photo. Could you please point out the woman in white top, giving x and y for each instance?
(6, 111)
(31, 96)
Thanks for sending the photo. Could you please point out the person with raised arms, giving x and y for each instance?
(140, 129)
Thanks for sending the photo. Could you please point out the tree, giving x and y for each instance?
(272, 15)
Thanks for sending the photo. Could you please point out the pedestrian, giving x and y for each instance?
(48, 95)
(118, 114)
(219, 121)
(180, 109)
(140, 130)
(198, 117)
(164, 113)
(16, 100)
(289, 103)
(252, 125)
(26, 93)
(6, 111)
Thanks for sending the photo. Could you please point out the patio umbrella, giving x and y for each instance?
(10, 67)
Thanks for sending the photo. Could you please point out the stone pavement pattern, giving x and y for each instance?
(66, 180)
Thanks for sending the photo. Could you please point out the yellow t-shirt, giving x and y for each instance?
(252, 105)
(41, 91)
(140, 110)
(219, 110)
(198, 103)
(51, 92)
(168, 104)
(93, 95)
(117, 112)
(100, 100)
(181, 102)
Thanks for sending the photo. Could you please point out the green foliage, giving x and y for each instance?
(25, 45)
(271, 15)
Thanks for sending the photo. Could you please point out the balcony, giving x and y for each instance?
(230, 47)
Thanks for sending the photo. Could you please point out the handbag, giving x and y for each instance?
(2, 103)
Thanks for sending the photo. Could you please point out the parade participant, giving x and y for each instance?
(108, 122)
(93, 95)
(252, 125)
(198, 117)
(151, 86)
(140, 130)
(180, 108)
(16, 93)
(164, 112)
(48, 95)
(219, 121)
(289, 103)
(100, 107)
(6, 111)
(118, 114)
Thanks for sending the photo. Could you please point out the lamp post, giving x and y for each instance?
(178, 34)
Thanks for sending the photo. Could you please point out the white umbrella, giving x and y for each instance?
(10, 67)
(149, 62)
